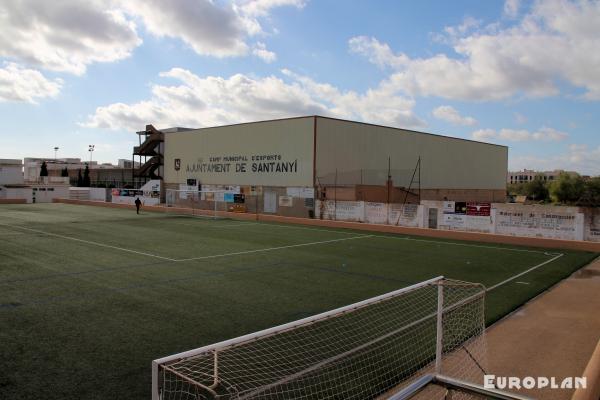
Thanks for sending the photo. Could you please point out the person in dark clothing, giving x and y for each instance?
(138, 204)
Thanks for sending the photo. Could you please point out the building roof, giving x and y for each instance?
(324, 117)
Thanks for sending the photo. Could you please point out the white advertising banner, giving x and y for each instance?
(454, 221)
(341, 210)
(376, 213)
(538, 223)
(404, 214)
(302, 192)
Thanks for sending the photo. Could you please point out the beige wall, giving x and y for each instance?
(291, 141)
(446, 163)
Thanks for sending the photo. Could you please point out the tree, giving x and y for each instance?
(567, 189)
(79, 178)
(536, 189)
(591, 193)
(44, 169)
(86, 176)
(64, 172)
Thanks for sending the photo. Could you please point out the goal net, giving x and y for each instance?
(206, 203)
(367, 350)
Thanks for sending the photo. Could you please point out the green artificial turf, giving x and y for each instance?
(90, 296)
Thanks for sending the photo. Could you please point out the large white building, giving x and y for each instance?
(323, 156)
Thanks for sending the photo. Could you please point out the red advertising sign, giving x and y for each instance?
(481, 209)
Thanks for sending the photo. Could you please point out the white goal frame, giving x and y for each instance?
(176, 193)
(162, 364)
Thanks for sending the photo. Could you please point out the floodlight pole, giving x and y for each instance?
(91, 149)
(55, 151)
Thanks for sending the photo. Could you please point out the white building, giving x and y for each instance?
(11, 172)
(527, 175)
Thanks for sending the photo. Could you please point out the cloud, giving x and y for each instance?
(209, 29)
(19, 84)
(577, 157)
(511, 8)
(196, 101)
(377, 53)
(261, 8)
(484, 134)
(260, 51)
(520, 118)
(70, 35)
(379, 105)
(450, 114)
(65, 35)
(520, 135)
(557, 41)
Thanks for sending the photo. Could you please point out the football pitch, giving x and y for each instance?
(89, 296)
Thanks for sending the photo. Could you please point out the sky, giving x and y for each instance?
(525, 74)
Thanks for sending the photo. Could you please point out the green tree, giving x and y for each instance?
(86, 177)
(591, 193)
(536, 189)
(567, 189)
(44, 169)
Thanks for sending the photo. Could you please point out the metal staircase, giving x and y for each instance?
(150, 148)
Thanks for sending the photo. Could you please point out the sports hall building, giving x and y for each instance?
(324, 158)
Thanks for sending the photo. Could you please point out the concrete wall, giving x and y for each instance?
(556, 222)
(16, 193)
(11, 172)
(47, 193)
(446, 163)
(245, 154)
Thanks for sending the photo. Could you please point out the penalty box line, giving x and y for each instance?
(291, 246)
(512, 278)
(91, 242)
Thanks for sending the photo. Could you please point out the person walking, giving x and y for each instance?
(138, 204)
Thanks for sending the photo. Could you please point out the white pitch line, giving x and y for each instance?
(524, 272)
(468, 245)
(91, 242)
(272, 248)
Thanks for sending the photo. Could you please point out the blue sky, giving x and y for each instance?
(522, 74)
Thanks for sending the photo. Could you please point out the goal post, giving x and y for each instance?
(196, 202)
(363, 350)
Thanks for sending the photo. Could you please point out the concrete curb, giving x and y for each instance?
(426, 232)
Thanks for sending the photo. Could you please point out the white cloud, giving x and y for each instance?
(577, 157)
(450, 114)
(209, 29)
(204, 101)
(26, 85)
(520, 118)
(378, 53)
(260, 51)
(69, 35)
(261, 8)
(520, 135)
(549, 134)
(556, 41)
(511, 8)
(65, 35)
(484, 134)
